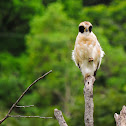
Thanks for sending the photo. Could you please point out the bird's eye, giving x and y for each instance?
(90, 28)
(81, 29)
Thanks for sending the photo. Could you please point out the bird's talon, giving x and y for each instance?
(86, 77)
(90, 60)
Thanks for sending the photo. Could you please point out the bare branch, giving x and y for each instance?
(20, 116)
(59, 117)
(24, 106)
(89, 105)
(12, 107)
(121, 119)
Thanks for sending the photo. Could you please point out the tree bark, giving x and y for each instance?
(121, 119)
(89, 105)
(59, 117)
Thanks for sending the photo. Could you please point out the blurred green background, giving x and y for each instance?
(37, 36)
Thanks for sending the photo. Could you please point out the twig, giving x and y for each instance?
(24, 106)
(121, 119)
(12, 107)
(59, 117)
(20, 116)
(89, 105)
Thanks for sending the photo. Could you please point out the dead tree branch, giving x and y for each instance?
(121, 119)
(89, 105)
(20, 116)
(14, 105)
(59, 117)
(26, 106)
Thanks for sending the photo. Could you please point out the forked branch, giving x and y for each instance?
(14, 105)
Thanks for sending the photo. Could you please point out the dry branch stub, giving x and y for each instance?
(121, 119)
(59, 117)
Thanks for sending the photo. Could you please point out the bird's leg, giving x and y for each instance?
(90, 59)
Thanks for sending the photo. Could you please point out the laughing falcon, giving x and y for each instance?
(87, 53)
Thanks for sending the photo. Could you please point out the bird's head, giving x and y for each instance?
(85, 27)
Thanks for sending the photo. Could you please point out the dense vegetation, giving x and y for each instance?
(38, 36)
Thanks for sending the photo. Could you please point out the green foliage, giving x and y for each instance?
(49, 43)
(72, 7)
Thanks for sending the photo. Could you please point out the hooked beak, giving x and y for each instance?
(86, 30)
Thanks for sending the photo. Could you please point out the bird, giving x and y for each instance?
(87, 53)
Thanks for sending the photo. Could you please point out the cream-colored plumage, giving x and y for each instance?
(87, 53)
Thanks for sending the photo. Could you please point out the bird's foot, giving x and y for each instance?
(86, 77)
(90, 60)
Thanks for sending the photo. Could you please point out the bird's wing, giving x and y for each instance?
(101, 56)
(73, 58)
